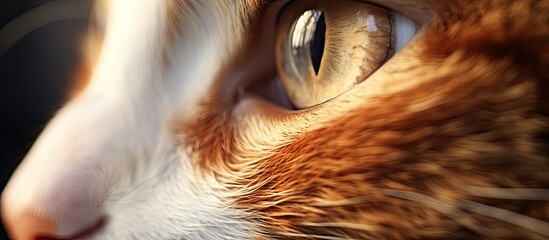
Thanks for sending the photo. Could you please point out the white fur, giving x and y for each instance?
(110, 153)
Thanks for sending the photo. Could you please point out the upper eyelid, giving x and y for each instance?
(420, 11)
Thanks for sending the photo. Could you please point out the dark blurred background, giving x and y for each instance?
(35, 72)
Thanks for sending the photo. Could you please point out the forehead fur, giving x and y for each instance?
(440, 158)
(233, 17)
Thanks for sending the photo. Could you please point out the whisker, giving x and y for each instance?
(289, 234)
(442, 207)
(356, 226)
(526, 222)
(538, 194)
(342, 202)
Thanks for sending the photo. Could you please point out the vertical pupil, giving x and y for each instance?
(317, 42)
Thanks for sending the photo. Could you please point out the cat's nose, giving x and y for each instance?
(51, 201)
(59, 189)
(25, 223)
(29, 225)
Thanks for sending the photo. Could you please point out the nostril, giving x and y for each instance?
(84, 233)
(87, 232)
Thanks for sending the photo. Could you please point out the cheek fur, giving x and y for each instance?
(404, 165)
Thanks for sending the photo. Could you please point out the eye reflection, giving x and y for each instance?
(307, 42)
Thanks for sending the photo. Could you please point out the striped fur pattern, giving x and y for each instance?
(447, 140)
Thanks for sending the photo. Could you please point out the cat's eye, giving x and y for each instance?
(324, 48)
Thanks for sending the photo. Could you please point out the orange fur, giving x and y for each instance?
(402, 165)
(91, 48)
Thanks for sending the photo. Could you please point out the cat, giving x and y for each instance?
(244, 120)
